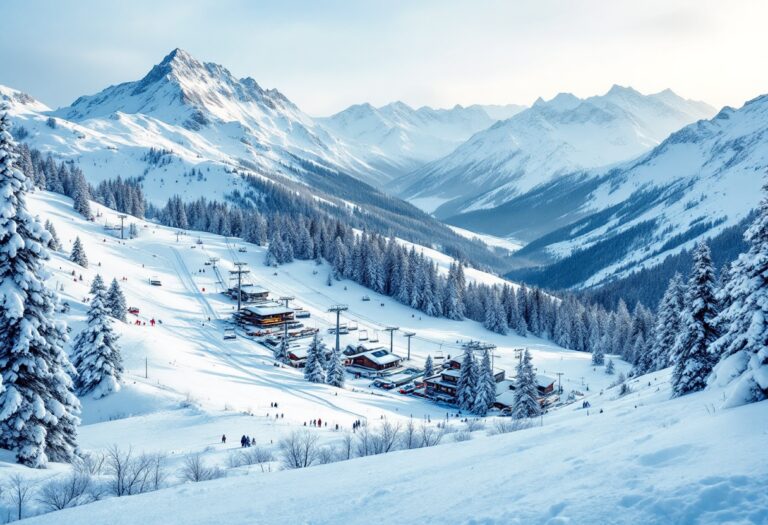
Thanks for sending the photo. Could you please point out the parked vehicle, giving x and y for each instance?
(366, 298)
(133, 310)
(407, 389)
(229, 333)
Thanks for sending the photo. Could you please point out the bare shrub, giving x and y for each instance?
(430, 436)
(252, 456)
(19, 491)
(299, 449)
(507, 425)
(62, 492)
(90, 463)
(410, 438)
(194, 469)
(327, 455)
(131, 473)
(475, 424)
(462, 435)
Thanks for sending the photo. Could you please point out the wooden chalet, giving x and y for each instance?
(265, 315)
(249, 294)
(378, 360)
(505, 391)
(443, 386)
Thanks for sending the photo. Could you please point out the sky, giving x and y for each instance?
(327, 54)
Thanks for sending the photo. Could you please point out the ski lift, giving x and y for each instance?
(362, 335)
(229, 333)
(375, 338)
(352, 326)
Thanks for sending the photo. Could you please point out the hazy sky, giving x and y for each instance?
(326, 55)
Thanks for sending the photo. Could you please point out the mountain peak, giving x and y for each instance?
(616, 89)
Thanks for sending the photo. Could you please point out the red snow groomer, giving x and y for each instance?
(133, 310)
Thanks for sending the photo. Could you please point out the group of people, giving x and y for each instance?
(247, 441)
(357, 424)
(316, 423)
(152, 322)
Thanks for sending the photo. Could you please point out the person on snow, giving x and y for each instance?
(223, 438)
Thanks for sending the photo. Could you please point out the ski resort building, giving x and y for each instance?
(265, 315)
(505, 391)
(443, 386)
(376, 360)
(249, 294)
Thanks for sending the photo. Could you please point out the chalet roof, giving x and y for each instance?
(268, 309)
(381, 356)
(299, 353)
(361, 348)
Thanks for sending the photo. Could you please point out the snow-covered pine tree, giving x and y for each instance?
(97, 287)
(698, 328)
(77, 255)
(495, 317)
(429, 367)
(742, 350)
(466, 389)
(281, 352)
(666, 329)
(96, 354)
(115, 301)
(526, 394)
(38, 411)
(486, 387)
(82, 196)
(598, 355)
(610, 368)
(54, 244)
(313, 369)
(335, 372)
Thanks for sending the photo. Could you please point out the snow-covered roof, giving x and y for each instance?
(299, 353)
(381, 356)
(268, 309)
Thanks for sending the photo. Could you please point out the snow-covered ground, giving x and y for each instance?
(507, 243)
(645, 459)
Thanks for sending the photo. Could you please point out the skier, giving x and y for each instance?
(223, 438)
(152, 322)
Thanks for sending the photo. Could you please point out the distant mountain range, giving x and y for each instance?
(594, 188)
(548, 140)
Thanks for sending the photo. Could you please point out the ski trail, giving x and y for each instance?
(186, 279)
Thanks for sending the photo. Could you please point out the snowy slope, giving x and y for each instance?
(400, 139)
(644, 451)
(550, 139)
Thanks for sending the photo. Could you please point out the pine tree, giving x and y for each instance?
(486, 387)
(335, 369)
(742, 350)
(598, 356)
(77, 255)
(97, 287)
(429, 367)
(495, 318)
(313, 369)
(610, 368)
(82, 196)
(38, 411)
(54, 244)
(526, 394)
(466, 389)
(115, 301)
(666, 328)
(698, 329)
(96, 354)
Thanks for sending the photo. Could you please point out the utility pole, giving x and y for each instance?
(391, 330)
(122, 218)
(146, 368)
(178, 234)
(239, 272)
(338, 309)
(559, 384)
(408, 335)
(286, 298)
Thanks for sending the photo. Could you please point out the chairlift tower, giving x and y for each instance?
(287, 299)
(408, 335)
(122, 217)
(391, 330)
(239, 272)
(338, 309)
(479, 346)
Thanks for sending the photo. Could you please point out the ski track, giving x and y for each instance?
(188, 282)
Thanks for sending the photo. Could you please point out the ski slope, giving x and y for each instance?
(185, 386)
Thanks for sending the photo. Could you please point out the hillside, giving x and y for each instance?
(701, 180)
(551, 139)
(398, 139)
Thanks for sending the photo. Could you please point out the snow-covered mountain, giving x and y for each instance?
(606, 223)
(198, 113)
(398, 139)
(551, 139)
